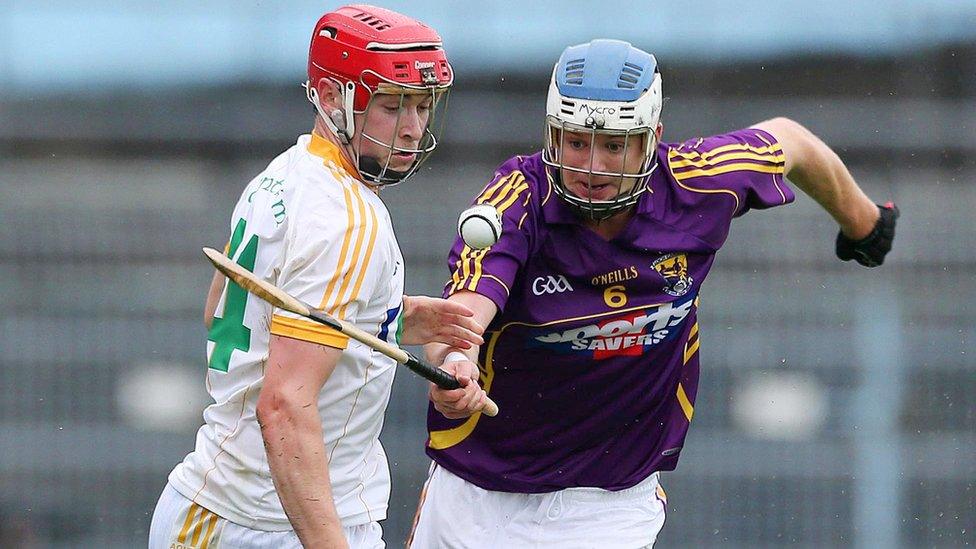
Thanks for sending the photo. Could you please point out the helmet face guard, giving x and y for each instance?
(600, 90)
(368, 51)
(553, 156)
(378, 171)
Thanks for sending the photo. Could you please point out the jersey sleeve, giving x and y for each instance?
(492, 271)
(724, 176)
(328, 251)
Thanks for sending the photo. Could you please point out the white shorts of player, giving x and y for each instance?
(453, 513)
(178, 523)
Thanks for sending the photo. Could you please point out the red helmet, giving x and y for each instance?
(367, 45)
(363, 48)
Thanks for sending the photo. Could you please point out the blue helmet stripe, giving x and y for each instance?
(605, 70)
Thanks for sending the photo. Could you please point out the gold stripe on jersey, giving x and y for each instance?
(476, 260)
(205, 517)
(209, 536)
(549, 188)
(497, 190)
(191, 512)
(705, 164)
(465, 266)
(691, 346)
(770, 149)
(510, 193)
(440, 440)
(502, 194)
(306, 330)
(739, 167)
(489, 192)
(344, 250)
(501, 203)
(662, 494)
(709, 191)
(456, 274)
(687, 160)
(349, 272)
(782, 159)
(336, 162)
(686, 406)
(197, 527)
(373, 228)
(369, 514)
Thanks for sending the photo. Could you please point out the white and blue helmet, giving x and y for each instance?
(603, 87)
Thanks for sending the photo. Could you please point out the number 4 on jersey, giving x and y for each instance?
(228, 331)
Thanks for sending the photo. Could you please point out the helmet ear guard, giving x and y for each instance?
(335, 119)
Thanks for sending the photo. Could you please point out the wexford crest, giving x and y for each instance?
(674, 269)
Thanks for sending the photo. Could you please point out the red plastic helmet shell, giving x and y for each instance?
(366, 44)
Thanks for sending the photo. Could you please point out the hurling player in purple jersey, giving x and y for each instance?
(591, 301)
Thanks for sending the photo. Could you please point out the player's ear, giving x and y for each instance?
(330, 95)
(659, 131)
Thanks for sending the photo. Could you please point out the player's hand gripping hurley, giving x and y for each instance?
(278, 298)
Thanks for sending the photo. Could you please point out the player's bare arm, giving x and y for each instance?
(470, 398)
(287, 411)
(866, 230)
(821, 174)
(432, 319)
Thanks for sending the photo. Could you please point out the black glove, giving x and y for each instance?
(870, 251)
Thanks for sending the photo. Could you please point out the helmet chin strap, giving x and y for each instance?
(371, 168)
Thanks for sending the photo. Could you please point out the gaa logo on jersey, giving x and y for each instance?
(551, 285)
(674, 269)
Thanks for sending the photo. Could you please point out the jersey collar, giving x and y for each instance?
(330, 153)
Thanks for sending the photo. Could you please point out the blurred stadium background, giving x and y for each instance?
(837, 406)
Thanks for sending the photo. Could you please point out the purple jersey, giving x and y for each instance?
(593, 356)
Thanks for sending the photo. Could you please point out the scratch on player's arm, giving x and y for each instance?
(292, 432)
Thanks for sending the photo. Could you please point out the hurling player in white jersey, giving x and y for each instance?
(289, 454)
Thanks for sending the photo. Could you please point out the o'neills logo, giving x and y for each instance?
(619, 275)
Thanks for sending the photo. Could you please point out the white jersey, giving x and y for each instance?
(309, 227)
